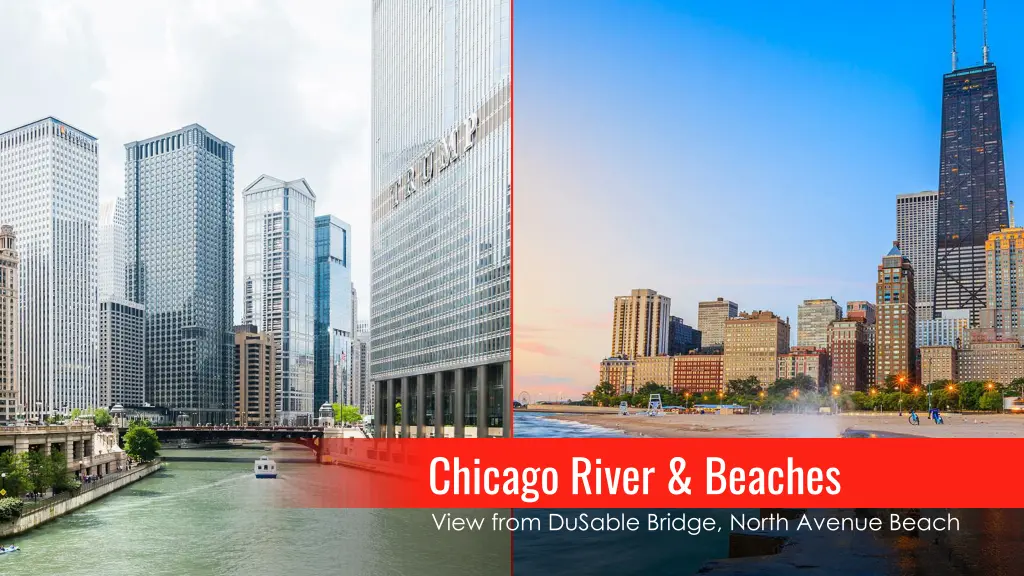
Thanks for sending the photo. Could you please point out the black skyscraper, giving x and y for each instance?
(972, 187)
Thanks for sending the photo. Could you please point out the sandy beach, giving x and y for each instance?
(802, 425)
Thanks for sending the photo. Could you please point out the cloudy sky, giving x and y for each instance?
(287, 82)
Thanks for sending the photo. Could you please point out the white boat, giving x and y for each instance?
(8, 549)
(265, 468)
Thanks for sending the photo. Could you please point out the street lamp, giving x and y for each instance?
(951, 389)
(901, 381)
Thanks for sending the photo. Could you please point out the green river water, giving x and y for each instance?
(213, 518)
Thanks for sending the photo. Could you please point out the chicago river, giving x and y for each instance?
(215, 518)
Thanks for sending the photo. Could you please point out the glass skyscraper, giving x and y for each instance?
(49, 193)
(279, 282)
(441, 186)
(179, 193)
(111, 274)
(972, 187)
(335, 321)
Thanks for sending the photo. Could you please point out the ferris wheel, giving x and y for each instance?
(524, 398)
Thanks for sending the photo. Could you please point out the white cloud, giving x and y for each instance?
(286, 81)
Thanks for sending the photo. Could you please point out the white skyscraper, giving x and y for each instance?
(280, 262)
(49, 193)
(111, 249)
(917, 216)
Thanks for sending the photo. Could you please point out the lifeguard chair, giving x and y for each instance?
(654, 406)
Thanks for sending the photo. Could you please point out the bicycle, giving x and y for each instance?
(914, 420)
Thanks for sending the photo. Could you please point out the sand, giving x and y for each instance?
(803, 425)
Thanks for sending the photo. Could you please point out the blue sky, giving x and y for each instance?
(751, 150)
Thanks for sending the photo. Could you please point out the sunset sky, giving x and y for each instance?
(747, 150)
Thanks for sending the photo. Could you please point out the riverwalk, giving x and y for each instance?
(36, 513)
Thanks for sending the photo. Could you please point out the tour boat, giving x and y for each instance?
(266, 468)
(8, 549)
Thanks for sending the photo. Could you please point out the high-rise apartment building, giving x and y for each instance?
(807, 361)
(49, 191)
(897, 321)
(112, 278)
(950, 328)
(1003, 313)
(334, 310)
(122, 354)
(753, 343)
(179, 193)
(441, 216)
(698, 373)
(938, 364)
(972, 186)
(813, 318)
(640, 325)
(682, 338)
(362, 393)
(620, 373)
(9, 321)
(916, 230)
(999, 362)
(848, 353)
(711, 317)
(867, 312)
(278, 284)
(255, 377)
(862, 309)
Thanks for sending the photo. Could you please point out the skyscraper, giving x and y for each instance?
(753, 343)
(49, 193)
(848, 353)
(122, 353)
(682, 338)
(916, 221)
(641, 324)
(8, 323)
(279, 283)
(1003, 314)
(896, 327)
(334, 324)
(866, 311)
(255, 377)
(179, 190)
(812, 319)
(711, 317)
(972, 185)
(441, 212)
(362, 394)
(112, 273)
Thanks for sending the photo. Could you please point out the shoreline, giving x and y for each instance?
(796, 425)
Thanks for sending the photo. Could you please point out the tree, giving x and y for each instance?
(398, 411)
(102, 419)
(63, 480)
(744, 387)
(1016, 387)
(15, 466)
(40, 470)
(991, 400)
(350, 414)
(141, 443)
(75, 413)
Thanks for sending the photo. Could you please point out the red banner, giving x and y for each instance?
(662, 473)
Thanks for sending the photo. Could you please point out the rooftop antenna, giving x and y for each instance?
(954, 35)
(984, 33)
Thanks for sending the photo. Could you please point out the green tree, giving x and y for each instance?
(141, 443)
(1016, 387)
(16, 481)
(991, 400)
(102, 418)
(75, 413)
(398, 412)
(63, 480)
(350, 415)
(744, 387)
(40, 470)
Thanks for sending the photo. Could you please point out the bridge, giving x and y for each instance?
(309, 436)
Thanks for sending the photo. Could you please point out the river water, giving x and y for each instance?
(213, 518)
